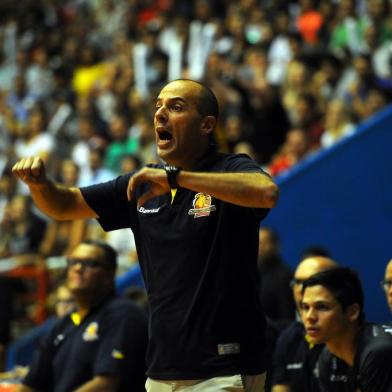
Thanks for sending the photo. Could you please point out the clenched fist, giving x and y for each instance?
(30, 170)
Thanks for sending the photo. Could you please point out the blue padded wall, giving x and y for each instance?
(341, 198)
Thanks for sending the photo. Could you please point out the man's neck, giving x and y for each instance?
(85, 302)
(345, 346)
(191, 162)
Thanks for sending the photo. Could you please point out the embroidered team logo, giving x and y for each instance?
(91, 332)
(201, 205)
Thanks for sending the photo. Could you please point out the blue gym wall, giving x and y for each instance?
(341, 199)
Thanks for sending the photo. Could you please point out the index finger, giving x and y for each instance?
(37, 166)
(16, 169)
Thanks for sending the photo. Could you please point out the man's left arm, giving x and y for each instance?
(247, 189)
(100, 383)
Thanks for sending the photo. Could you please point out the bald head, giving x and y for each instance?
(307, 268)
(207, 103)
(314, 264)
(388, 283)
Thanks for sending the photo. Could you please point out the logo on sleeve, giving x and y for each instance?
(91, 332)
(117, 354)
(201, 205)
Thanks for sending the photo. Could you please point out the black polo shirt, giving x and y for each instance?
(111, 340)
(372, 370)
(295, 363)
(294, 360)
(198, 257)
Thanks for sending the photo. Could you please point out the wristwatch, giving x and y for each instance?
(172, 173)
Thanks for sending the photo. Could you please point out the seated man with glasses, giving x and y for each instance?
(386, 284)
(102, 344)
(295, 357)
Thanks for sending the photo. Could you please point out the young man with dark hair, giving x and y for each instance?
(332, 310)
(195, 218)
(295, 357)
(101, 345)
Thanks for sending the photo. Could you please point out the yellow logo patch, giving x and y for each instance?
(202, 205)
(91, 332)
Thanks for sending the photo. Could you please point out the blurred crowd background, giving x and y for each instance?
(78, 80)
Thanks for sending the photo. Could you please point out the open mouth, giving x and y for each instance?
(165, 135)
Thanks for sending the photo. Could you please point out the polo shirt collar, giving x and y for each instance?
(207, 159)
(77, 319)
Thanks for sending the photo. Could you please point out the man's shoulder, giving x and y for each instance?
(375, 343)
(372, 333)
(122, 307)
(373, 365)
(292, 338)
(236, 158)
(294, 330)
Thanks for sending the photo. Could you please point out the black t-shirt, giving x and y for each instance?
(372, 370)
(294, 360)
(198, 257)
(111, 340)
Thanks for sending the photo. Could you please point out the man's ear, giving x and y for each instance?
(208, 125)
(353, 311)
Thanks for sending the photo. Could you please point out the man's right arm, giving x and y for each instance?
(55, 200)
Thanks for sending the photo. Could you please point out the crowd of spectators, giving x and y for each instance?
(78, 79)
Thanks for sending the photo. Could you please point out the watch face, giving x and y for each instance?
(170, 168)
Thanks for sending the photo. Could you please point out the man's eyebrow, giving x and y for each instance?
(319, 302)
(172, 99)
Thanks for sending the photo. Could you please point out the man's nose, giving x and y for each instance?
(310, 315)
(78, 266)
(161, 115)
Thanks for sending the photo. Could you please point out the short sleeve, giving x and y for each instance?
(110, 203)
(244, 164)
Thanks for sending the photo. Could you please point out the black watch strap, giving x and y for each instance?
(172, 174)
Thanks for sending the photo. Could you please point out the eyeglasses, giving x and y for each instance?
(386, 284)
(295, 282)
(86, 263)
